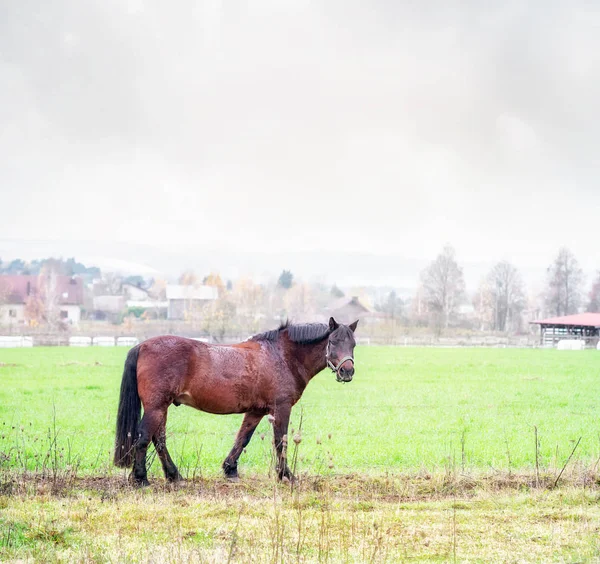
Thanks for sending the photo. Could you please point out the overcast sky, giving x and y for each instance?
(380, 127)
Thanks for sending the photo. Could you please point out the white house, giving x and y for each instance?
(185, 299)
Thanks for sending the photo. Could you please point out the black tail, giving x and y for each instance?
(128, 416)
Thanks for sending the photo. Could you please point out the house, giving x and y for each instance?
(186, 300)
(108, 308)
(27, 299)
(347, 310)
(135, 293)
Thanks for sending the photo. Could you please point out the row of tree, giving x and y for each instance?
(66, 267)
(501, 297)
(441, 300)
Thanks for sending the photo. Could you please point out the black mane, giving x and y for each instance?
(303, 334)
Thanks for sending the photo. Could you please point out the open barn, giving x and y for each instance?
(581, 326)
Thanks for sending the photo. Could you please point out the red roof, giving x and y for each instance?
(579, 319)
(16, 289)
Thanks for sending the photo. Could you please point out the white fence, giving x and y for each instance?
(20, 341)
(127, 341)
(80, 341)
(15, 342)
(103, 341)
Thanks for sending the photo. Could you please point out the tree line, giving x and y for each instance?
(65, 267)
(441, 301)
(501, 297)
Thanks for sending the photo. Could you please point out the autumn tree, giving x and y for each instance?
(565, 278)
(188, 278)
(35, 310)
(158, 289)
(248, 298)
(594, 296)
(42, 305)
(214, 280)
(299, 303)
(444, 287)
(218, 318)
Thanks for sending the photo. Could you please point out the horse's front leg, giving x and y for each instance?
(251, 421)
(280, 420)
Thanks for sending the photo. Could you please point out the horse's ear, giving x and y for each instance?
(353, 326)
(333, 324)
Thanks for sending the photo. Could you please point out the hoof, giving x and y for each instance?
(287, 477)
(175, 479)
(230, 472)
(138, 482)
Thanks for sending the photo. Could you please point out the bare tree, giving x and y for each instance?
(4, 294)
(506, 295)
(49, 294)
(565, 278)
(443, 286)
(482, 302)
(594, 303)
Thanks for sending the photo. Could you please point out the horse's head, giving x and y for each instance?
(340, 350)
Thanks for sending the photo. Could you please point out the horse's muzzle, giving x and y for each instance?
(345, 374)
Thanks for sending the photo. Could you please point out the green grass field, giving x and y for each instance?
(407, 409)
(428, 455)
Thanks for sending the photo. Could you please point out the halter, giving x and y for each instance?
(334, 368)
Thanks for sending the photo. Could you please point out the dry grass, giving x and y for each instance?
(351, 518)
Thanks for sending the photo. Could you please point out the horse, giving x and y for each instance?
(265, 375)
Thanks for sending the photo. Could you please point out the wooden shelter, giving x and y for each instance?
(583, 326)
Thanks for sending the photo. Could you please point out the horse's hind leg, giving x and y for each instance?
(251, 421)
(160, 444)
(149, 424)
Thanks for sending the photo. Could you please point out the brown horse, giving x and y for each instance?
(265, 375)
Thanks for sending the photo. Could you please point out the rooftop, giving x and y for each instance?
(578, 319)
(16, 289)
